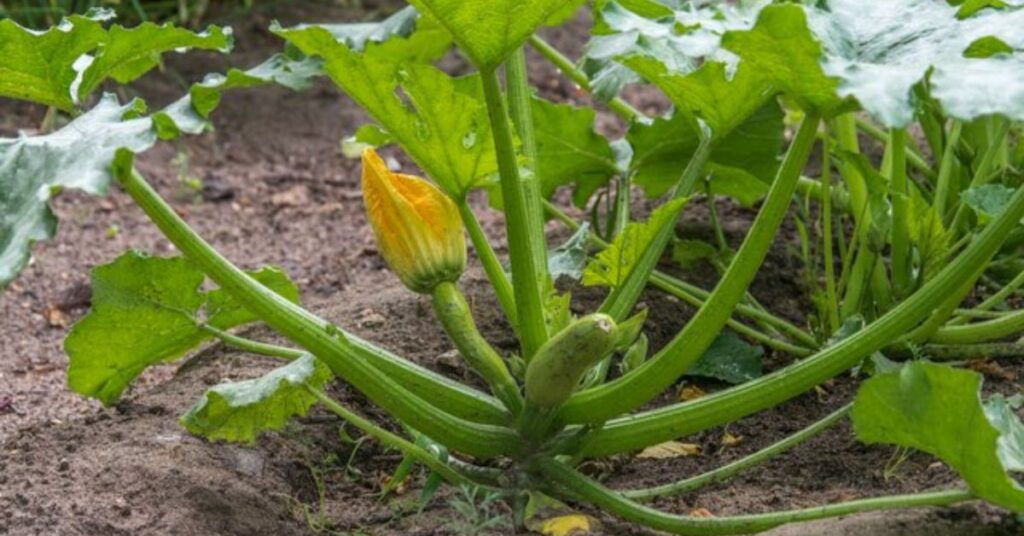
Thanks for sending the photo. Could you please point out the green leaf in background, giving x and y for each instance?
(569, 259)
(487, 30)
(79, 155)
(729, 359)
(1002, 413)
(65, 64)
(938, 409)
(742, 164)
(423, 39)
(32, 170)
(610, 267)
(37, 66)
(145, 311)
(781, 49)
(680, 38)
(241, 411)
(928, 234)
(128, 53)
(876, 51)
(570, 151)
(987, 200)
(439, 121)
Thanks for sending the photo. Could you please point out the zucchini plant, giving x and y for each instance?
(915, 253)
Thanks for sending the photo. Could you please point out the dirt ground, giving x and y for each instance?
(276, 190)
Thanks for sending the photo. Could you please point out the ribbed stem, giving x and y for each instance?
(523, 223)
(321, 338)
(577, 486)
(489, 260)
(663, 424)
(633, 390)
(453, 312)
(620, 107)
(1011, 324)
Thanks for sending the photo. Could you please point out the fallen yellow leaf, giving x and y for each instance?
(670, 449)
(701, 512)
(729, 440)
(690, 392)
(567, 525)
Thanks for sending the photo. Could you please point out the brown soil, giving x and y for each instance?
(276, 191)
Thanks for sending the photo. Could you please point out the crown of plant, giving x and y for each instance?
(417, 226)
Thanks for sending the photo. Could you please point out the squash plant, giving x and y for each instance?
(893, 248)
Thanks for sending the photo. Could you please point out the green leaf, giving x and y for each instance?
(742, 164)
(78, 156)
(128, 53)
(611, 266)
(32, 170)
(569, 150)
(61, 66)
(681, 38)
(781, 49)
(441, 122)
(37, 66)
(241, 411)
(1002, 413)
(148, 310)
(487, 30)
(689, 252)
(987, 200)
(938, 410)
(423, 40)
(986, 47)
(729, 359)
(822, 54)
(569, 259)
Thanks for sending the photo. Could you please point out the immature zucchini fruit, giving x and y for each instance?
(556, 369)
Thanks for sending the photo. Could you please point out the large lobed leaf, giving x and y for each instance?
(148, 310)
(78, 156)
(569, 151)
(61, 66)
(876, 51)
(679, 37)
(241, 411)
(440, 122)
(742, 164)
(938, 409)
(487, 30)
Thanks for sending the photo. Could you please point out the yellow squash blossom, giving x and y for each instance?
(417, 226)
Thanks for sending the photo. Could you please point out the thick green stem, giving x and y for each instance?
(523, 223)
(900, 244)
(1011, 324)
(730, 469)
(992, 301)
(446, 394)
(577, 486)
(635, 389)
(831, 298)
(453, 312)
(664, 424)
(913, 155)
(695, 295)
(621, 299)
(948, 164)
(965, 352)
(620, 107)
(321, 338)
(492, 266)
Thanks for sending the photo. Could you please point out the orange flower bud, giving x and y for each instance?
(418, 229)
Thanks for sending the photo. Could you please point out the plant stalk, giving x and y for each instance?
(523, 223)
(322, 339)
(654, 376)
(489, 259)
